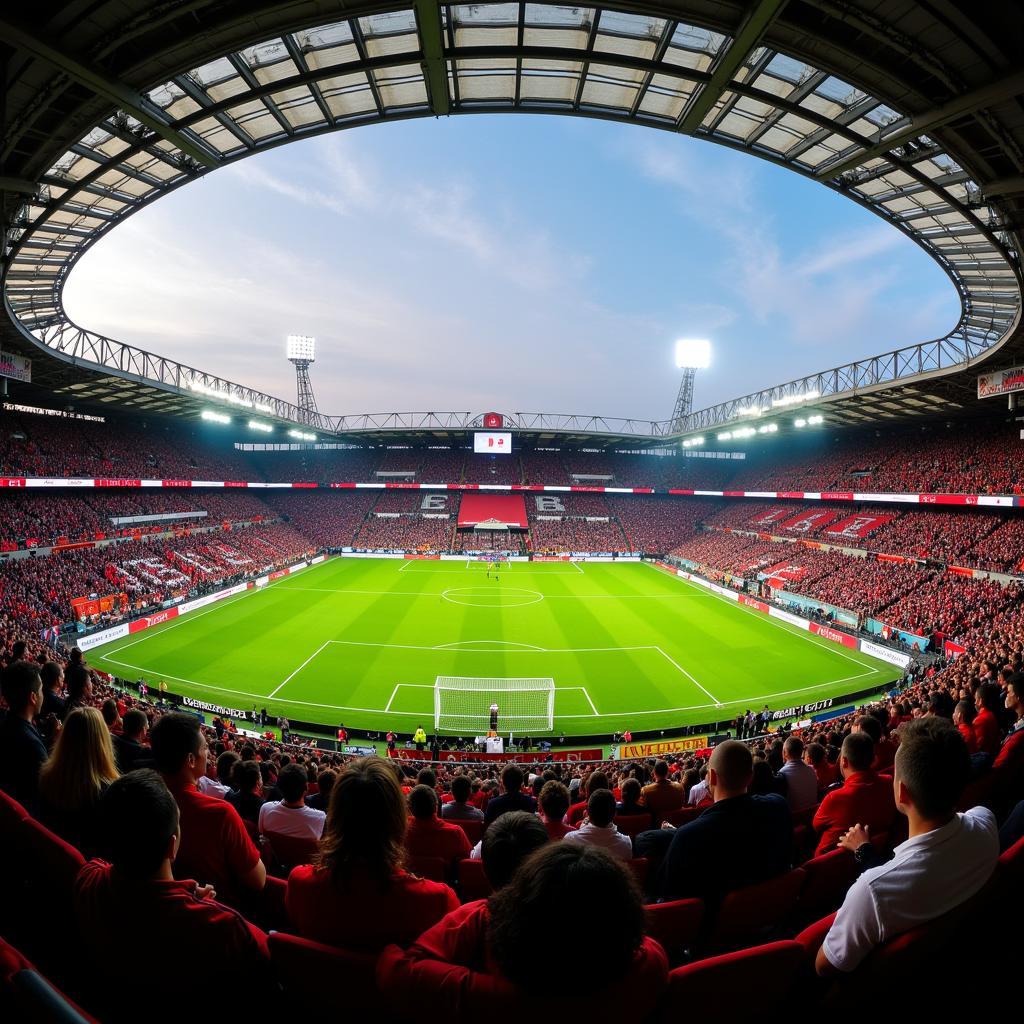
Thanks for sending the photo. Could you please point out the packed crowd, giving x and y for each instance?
(404, 533)
(577, 533)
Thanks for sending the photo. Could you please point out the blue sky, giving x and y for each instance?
(514, 263)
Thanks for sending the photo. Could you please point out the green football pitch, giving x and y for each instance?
(362, 641)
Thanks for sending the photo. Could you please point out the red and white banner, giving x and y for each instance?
(774, 515)
(752, 602)
(837, 636)
(138, 625)
(810, 522)
(859, 526)
(793, 572)
(503, 511)
(1002, 382)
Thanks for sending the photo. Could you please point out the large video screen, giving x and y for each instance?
(492, 442)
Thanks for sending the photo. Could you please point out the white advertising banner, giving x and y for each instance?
(1001, 382)
(884, 654)
(104, 636)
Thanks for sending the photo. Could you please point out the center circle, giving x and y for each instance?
(488, 597)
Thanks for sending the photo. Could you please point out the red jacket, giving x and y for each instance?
(436, 838)
(968, 734)
(987, 733)
(449, 970)
(865, 798)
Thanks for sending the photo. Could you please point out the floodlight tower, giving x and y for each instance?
(302, 352)
(692, 354)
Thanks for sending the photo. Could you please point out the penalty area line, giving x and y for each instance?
(281, 686)
(703, 689)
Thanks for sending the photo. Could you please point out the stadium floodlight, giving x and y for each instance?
(692, 354)
(726, 435)
(807, 396)
(214, 417)
(693, 442)
(800, 422)
(264, 428)
(815, 420)
(301, 435)
(768, 428)
(301, 347)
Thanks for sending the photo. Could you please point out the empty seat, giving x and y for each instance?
(290, 851)
(473, 882)
(676, 925)
(827, 879)
(474, 829)
(750, 913)
(633, 824)
(714, 984)
(25, 995)
(324, 979)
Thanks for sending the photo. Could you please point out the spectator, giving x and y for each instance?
(459, 808)
(220, 786)
(247, 795)
(78, 679)
(507, 843)
(356, 893)
(815, 756)
(599, 829)
(22, 750)
(554, 804)
(963, 719)
(662, 797)
(215, 847)
(801, 779)
(578, 811)
(885, 749)
(631, 796)
(864, 798)
(75, 777)
(134, 903)
(987, 734)
(52, 675)
(428, 835)
(487, 951)
(947, 858)
(321, 799)
(511, 799)
(736, 842)
(290, 816)
(129, 751)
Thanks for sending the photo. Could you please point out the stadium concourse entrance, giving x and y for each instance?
(492, 524)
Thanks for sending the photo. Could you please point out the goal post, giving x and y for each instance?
(462, 704)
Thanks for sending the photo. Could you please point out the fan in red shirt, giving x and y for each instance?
(865, 798)
(136, 903)
(826, 773)
(963, 719)
(554, 803)
(481, 961)
(215, 846)
(428, 835)
(987, 733)
(356, 894)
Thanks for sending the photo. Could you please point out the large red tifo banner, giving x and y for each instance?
(773, 516)
(856, 527)
(501, 510)
(808, 522)
(787, 571)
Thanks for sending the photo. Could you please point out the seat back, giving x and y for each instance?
(639, 866)
(681, 817)
(324, 979)
(26, 995)
(676, 925)
(1011, 863)
(474, 829)
(719, 980)
(633, 824)
(51, 863)
(473, 882)
(825, 883)
(434, 869)
(290, 851)
(749, 913)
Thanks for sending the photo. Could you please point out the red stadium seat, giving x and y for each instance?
(827, 879)
(12, 814)
(747, 914)
(474, 830)
(25, 995)
(1011, 865)
(681, 817)
(473, 883)
(633, 824)
(639, 866)
(290, 851)
(324, 979)
(435, 869)
(711, 985)
(676, 925)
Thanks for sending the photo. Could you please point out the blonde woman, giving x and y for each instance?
(73, 779)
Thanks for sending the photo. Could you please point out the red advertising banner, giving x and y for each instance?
(752, 602)
(772, 516)
(153, 620)
(810, 522)
(837, 495)
(835, 635)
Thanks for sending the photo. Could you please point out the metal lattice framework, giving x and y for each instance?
(678, 67)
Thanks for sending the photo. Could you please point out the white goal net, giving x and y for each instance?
(462, 704)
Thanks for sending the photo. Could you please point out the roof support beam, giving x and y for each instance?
(21, 185)
(970, 102)
(103, 85)
(748, 36)
(435, 68)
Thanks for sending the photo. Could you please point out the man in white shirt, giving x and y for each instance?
(291, 816)
(700, 791)
(598, 828)
(220, 786)
(801, 778)
(947, 858)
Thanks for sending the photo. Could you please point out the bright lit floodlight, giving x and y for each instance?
(301, 347)
(693, 353)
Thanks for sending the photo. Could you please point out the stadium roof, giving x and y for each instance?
(912, 110)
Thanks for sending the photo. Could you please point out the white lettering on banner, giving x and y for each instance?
(832, 634)
(202, 602)
(51, 482)
(853, 527)
(215, 709)
(262, 581)
(549, 503)
(434, 503)
(104, 636)
(793, 620)
(296, 568)
(802, 709)
(885, 654)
